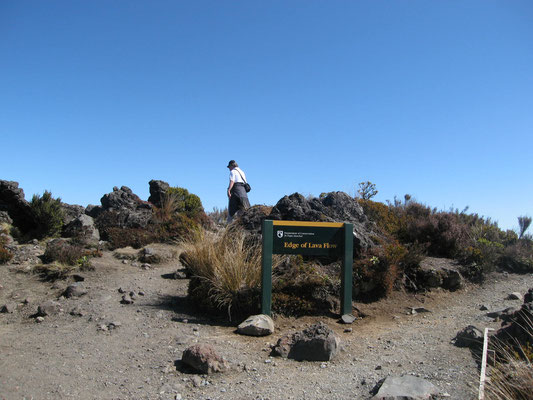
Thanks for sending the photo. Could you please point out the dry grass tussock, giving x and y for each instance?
(228, 263)
(511, 377)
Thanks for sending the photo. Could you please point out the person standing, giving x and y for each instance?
(238, 199)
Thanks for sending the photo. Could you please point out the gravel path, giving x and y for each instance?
(132, 351)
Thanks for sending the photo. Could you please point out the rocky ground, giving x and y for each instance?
(96, 347)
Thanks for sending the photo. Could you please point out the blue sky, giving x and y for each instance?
(430, 98)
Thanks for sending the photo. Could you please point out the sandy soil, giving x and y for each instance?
(70, 356)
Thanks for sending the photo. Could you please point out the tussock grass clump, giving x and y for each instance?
(225, 269)
(54, 271)
(511, 377)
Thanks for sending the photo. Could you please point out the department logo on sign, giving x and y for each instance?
(280, 234)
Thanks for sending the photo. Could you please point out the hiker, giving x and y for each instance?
(238, 199)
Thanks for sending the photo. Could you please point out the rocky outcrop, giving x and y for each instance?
(82, 228)
(18, 209)
(333, 207)
(71, 212)
(158, 189)
(516, 329)
(122, 209)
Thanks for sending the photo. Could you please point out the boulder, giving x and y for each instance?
(470, 337)
(12, 201)
(71, 212)
(156, 254)
(158, 189)
(439, 272)
(82, 228)
(203, 358)
(316, 343)
(257, 325)
(406, 387)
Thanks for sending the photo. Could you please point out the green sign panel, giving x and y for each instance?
(308, 238)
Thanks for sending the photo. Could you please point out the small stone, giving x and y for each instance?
(75, 290)
(514, 296)
(141, 293)
(483, 308)
(114, 324)
(348, 330)
(124, 261)
(133, 295)
(48, 308)
(120, 290)
(348, 319)
(103, 327)
(146, 266)
(126, 299)
(77, 311)
(39, 319)
(7, 309)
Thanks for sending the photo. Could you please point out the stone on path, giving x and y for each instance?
(74, 290)
(514, 296)
(50, 307)
(256, 325)
(469, 337)
(316, 343)
(203, 358)
(406, 387)
(7, 308)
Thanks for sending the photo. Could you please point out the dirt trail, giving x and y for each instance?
(71, 357)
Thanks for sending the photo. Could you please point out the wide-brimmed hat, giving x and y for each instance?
(232, 163)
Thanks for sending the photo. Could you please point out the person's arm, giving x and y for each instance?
(231, 183)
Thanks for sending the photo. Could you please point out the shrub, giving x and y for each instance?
(5, 254)
(382, 215)
(62, 251)
(518, 257)
(378, 272)
(367, 190)
(185, 202)
(176, 228)
(134, 237)
(48, 214)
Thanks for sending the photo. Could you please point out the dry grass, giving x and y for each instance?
(169, 207)
(512, 375)
(227, 263)
(54, 271)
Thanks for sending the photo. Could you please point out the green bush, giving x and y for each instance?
(185, 202)
(48, 214)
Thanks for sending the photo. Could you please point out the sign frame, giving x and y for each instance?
(307, 234)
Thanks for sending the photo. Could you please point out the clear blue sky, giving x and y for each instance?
(430, 98)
